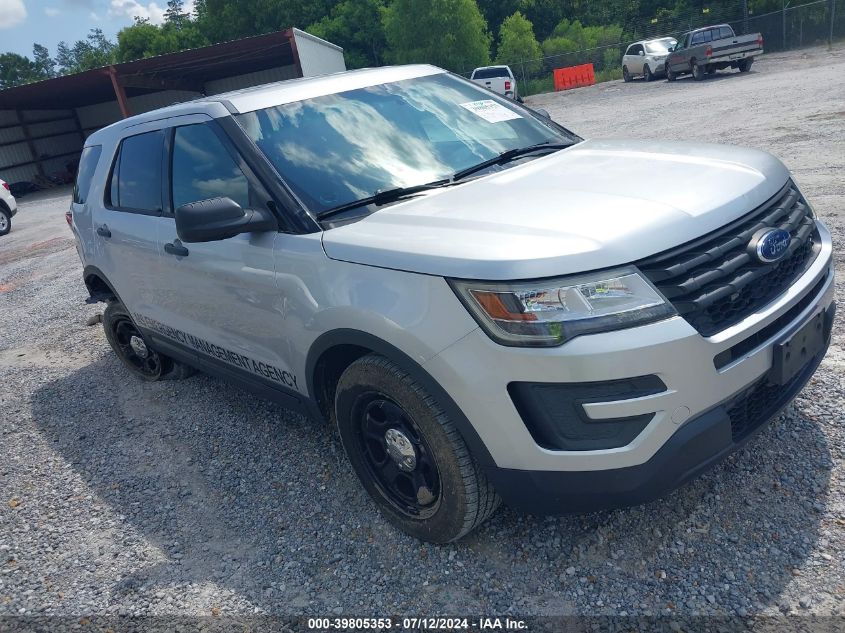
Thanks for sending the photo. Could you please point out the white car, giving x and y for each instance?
(8, 207)
(499, 79)
(647, 58)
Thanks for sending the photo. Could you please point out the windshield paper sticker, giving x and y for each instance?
(491, 111)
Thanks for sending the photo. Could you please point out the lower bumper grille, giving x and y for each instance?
(762, 401)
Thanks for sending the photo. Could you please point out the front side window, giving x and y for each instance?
(202, 168)
(726, 32)
(136, 176)
(337, 149)
(698, 38)
(85, 173)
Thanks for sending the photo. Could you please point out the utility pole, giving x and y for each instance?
(745, 16)
(783, 15)
(832, 16)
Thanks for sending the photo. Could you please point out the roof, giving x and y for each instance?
(185, 70)
(276, 93)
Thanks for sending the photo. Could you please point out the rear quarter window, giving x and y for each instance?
(85, 174)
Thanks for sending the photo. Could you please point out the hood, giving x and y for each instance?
(595, 205)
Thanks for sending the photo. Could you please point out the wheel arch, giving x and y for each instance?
(334, 351)
(98, 285)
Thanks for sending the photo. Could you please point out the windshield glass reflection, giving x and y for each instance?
(340, 148)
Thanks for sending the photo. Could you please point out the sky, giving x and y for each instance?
(48, 22)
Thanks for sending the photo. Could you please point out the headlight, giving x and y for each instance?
(550, 312)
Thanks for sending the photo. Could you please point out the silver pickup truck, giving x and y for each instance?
(704, 51)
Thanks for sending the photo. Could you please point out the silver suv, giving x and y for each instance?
(486, 306)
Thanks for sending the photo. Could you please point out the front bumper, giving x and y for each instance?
(697, 446)
(700, 375)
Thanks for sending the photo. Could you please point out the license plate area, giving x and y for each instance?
(792, 353)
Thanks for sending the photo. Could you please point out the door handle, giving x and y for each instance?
(176, 248)
(103, 231)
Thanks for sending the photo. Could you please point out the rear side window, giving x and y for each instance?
(136, 176)
(87, 166)
(203, 168)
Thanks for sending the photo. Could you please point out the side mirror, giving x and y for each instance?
(219, 219)
(641, 53)
(543, 113)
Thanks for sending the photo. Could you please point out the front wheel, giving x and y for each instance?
(698, 72)
(647, 73)
(626, 76)
(670, 76)
(407, 453)
(5, 221)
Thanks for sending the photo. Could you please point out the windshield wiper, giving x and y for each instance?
(507, 156)
(384, 196)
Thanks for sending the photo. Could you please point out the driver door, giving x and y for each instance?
(221, 299)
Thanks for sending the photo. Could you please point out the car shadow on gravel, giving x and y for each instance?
(239, 494)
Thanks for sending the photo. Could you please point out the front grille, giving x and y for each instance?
(714, 282)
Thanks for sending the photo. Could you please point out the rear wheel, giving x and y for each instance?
(5, 221)
(697, 71)
(407, 453)
(626, 76)
(745, 65)
(134, 351)
(647, 73)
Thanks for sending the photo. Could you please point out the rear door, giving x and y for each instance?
(220, 299)
(124, 226)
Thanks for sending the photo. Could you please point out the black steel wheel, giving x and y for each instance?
(397, 455)
(134, 351)
(408, 454)
(130, 346)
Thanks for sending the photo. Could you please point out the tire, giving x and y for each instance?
(670, 76)
(744, 65)
(5, 221)
(697, 71)
(647, 73)
(134, 352)
(408, 455)
(626, 76)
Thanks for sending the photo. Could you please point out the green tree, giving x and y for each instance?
(176, 15)
(356, 25)
(517, 43)
(448, 33)
(221, 20)
(94, 51)
(45, 67)
(16, 70)
(136, 41)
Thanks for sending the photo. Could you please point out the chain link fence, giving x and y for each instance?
(793, 26)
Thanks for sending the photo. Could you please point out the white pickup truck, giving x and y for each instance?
(499, 79)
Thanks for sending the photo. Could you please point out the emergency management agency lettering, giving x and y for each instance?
(257, 367)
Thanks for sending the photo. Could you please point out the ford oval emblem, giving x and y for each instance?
(769, 245)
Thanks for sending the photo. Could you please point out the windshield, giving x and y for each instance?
(336, 149)
(659, 46)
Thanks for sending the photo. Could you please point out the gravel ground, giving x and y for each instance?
(194, 498)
